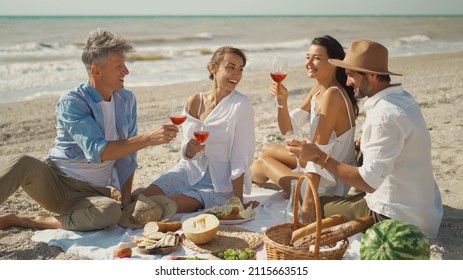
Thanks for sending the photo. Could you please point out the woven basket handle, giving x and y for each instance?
(318, 211)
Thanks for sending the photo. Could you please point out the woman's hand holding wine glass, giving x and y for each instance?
(201, 134)
(279, 71)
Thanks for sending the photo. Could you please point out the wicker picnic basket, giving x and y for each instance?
(277, 238)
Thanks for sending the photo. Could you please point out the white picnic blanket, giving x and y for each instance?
(101, 245)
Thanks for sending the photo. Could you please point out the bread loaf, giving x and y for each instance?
(162, 227)
(333, 234)
(310, 228)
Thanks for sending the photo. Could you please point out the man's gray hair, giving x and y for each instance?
(100, 43)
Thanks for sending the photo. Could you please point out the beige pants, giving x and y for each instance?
(80, 206)
(351, 207)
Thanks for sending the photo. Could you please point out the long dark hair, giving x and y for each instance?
(336, 51)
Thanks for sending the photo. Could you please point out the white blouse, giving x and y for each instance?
(229, 147)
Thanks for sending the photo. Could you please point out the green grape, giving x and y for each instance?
(237, 254)
(233, 253)
(243, 255)
(250, 252)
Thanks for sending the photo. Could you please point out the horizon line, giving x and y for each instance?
(250, 15)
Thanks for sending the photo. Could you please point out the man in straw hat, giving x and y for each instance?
(95, 147)
(395, 180)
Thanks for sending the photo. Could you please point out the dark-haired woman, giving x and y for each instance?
(330, 109)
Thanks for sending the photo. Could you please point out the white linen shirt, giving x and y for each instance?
(396, 148)
(229, 147)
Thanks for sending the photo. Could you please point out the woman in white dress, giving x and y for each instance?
(330, 109)
(225, 171)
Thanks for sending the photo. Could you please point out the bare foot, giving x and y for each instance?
(41, 222)
(7, 220)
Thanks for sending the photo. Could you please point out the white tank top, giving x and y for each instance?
(339, 147)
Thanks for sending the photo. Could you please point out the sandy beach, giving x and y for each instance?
(435, 81)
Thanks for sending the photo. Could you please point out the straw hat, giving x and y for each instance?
(367, 57)
(146, 209)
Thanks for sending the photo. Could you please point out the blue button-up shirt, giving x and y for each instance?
(80, 127)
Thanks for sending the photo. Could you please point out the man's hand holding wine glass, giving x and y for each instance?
(290, 137)
(162, 135)
(177, 116)
(304, 149)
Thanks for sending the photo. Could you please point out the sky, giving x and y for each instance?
(231, 7)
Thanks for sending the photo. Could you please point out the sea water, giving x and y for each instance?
(40, 56)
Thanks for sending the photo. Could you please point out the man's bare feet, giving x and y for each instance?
(39, 222)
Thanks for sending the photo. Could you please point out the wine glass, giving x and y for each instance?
(278, 71)
(177, 116)
(201, 134)
(297, 135)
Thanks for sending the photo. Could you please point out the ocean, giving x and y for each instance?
(40, 56)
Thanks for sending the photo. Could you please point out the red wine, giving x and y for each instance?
(177, 120)
(278, 77)
(201, 136)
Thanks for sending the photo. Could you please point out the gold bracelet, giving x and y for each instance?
(319, 156)
(326, 161)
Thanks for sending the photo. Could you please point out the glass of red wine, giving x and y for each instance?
(201, 134)
(279, 71)
(177, 116)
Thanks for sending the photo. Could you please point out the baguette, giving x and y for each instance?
(310, 228)
(333, 234)
(162, 227)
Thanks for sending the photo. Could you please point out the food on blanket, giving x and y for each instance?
(216, 211)
(234, 205)
(201, 229)
(155, 240)
(310, 228)
(161, 227)
(149, 238)
(332, 235)
(236, 254)
(232, 210)
(246, 213)
(156, 236)
(394, 240)
(123, 252)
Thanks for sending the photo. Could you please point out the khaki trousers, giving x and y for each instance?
(80, 206)
(351, 207)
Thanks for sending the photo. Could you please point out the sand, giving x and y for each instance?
(435, 81)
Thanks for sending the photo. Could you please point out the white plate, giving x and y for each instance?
(236, 222)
